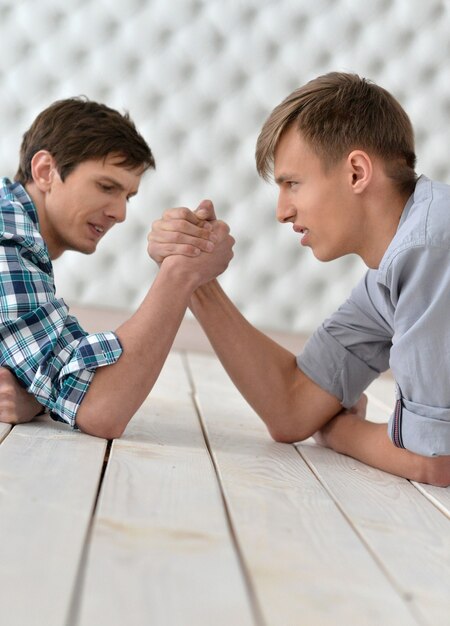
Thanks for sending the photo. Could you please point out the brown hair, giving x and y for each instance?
(337, 113)
(77, 129)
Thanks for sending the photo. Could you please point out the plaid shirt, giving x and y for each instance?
(44, 346)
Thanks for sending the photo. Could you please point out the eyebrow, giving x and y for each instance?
(112, 181)
(115, 183)
(283, 178)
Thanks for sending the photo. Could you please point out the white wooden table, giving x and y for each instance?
(195, 517)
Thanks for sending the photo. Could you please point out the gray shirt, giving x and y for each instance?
(398, 316)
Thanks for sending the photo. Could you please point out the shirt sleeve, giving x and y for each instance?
(45, 347)
(418, 280)
(351, 348)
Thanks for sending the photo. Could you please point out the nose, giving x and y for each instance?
(117, 211)
(286, 212)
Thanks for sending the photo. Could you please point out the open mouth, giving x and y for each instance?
(98, 230)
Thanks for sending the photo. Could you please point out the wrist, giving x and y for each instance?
(337, 432)
(175, 270)
(203, 293)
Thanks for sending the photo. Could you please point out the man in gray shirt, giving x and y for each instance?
(342, 153)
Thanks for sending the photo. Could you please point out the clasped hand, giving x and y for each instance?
(198, 241)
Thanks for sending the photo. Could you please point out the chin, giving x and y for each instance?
(325, 257)
(86, 249)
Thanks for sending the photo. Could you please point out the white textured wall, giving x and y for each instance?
(199, 77)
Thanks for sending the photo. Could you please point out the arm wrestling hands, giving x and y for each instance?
(181, 231)
(344, 430)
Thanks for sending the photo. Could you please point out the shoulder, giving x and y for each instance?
(424, 227)
(14, 217)
(18, 219)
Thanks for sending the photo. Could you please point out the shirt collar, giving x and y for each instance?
(16, 192)
(418, 191)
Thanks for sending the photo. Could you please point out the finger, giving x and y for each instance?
(184, 214)
(180, 250)
(205, 210)
(160, 241)
(220, 231)
(202, 231)
(160, 251)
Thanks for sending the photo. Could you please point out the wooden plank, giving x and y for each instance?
(438, 496)
(48, 484)
(306, 563)
(405, 531)
(4, 430)
(161, 551)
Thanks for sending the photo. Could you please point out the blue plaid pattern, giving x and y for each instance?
(45, 347)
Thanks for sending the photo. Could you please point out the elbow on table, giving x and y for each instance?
(91, 425)
(287, 433)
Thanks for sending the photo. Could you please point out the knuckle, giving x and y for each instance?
(178, 237)
(177, 225)
(169, 213)
(7, 396)
(184, 213)
(8, 418)
(223, 226)
(5, 375)
(189, 250)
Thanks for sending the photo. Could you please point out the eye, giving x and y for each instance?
(292, 184)
(106, 188)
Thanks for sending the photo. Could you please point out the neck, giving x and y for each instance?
(382, 219)
(39, 202)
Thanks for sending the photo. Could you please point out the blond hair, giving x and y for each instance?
(337, 113)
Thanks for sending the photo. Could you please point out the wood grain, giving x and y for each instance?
(161, 552)
(48, 484)
(306, 562)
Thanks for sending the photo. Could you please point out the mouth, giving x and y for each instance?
(302, 230)
(97, 230)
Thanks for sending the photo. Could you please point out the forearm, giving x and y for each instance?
(369, 442)
(264, 372)
(118, 390)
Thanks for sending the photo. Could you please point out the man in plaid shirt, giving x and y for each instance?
(80, 163)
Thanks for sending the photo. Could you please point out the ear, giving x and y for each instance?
(43, 170)
(361, 169)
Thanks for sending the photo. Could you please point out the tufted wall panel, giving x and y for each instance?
(199, 77)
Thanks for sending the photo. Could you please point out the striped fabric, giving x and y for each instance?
(45, 347)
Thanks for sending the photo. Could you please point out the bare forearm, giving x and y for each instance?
(369, 442)
(118, 390)
(265, 373)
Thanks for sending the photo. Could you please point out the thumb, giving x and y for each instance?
(205, 210)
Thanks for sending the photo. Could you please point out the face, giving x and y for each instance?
(317, 202)
(76, 213)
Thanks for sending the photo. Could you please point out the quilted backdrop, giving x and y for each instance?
(199, 77)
